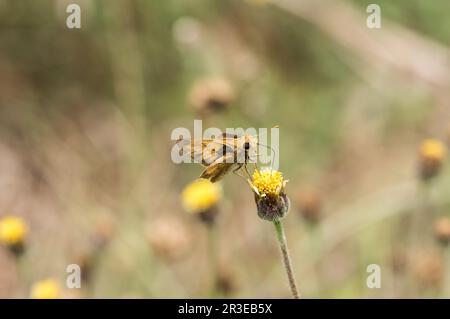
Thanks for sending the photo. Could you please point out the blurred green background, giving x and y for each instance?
(85, 122)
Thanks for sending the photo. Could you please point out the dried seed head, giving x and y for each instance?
(169, 238)
(428, 269)
(211, 95)
(102, 233)
(45, 289)
(85, 261)
(13, 232)
(271, 202)
(399, 261)
(309, 205)
(431, 155)
(442, 230)
(225, 281)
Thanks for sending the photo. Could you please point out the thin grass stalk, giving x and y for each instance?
(213, 258)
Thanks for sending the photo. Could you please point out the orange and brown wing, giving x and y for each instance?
(217, 170)
(206, 151)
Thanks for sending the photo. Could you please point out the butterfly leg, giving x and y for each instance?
(248, 174)
(235, 171)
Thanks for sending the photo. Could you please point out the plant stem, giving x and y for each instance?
(446, 283)
(286, 258)
(213, 258)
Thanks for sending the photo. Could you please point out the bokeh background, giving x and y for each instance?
(85, 123)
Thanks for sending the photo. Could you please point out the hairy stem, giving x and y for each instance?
(286, 258)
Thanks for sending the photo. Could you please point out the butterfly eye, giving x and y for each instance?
(246, 145)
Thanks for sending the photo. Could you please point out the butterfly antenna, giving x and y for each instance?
(273, 155)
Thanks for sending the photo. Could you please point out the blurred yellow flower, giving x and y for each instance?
(431, 153)
(432, 150)
(45, 289)
(268, 182)
(201, 195)
(12, 230)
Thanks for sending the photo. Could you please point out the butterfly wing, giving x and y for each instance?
(219, 168)
(206, 151)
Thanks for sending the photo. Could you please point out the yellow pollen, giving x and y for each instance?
(268, 182)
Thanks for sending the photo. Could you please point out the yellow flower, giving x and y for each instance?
(45, 289)
(432, 150)
(12, 230)
(271, 202)
(268, 182)
(201, 195)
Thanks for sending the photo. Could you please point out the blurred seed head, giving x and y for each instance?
(211, 95)
(226, 283)
(428, 268)
(102, 233)
(85, 261)
(268, 187)
(442, 230)
(187, 32)
(13, 233)
(309, 205)
(169, 238)
(431, 156)
(399, 261)
(201, 197)
(45, 289)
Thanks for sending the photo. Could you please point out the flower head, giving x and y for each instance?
(271, 201)
(268, 182)
(45, 289)
(13, 232)
(201, 197)
(431, 153)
